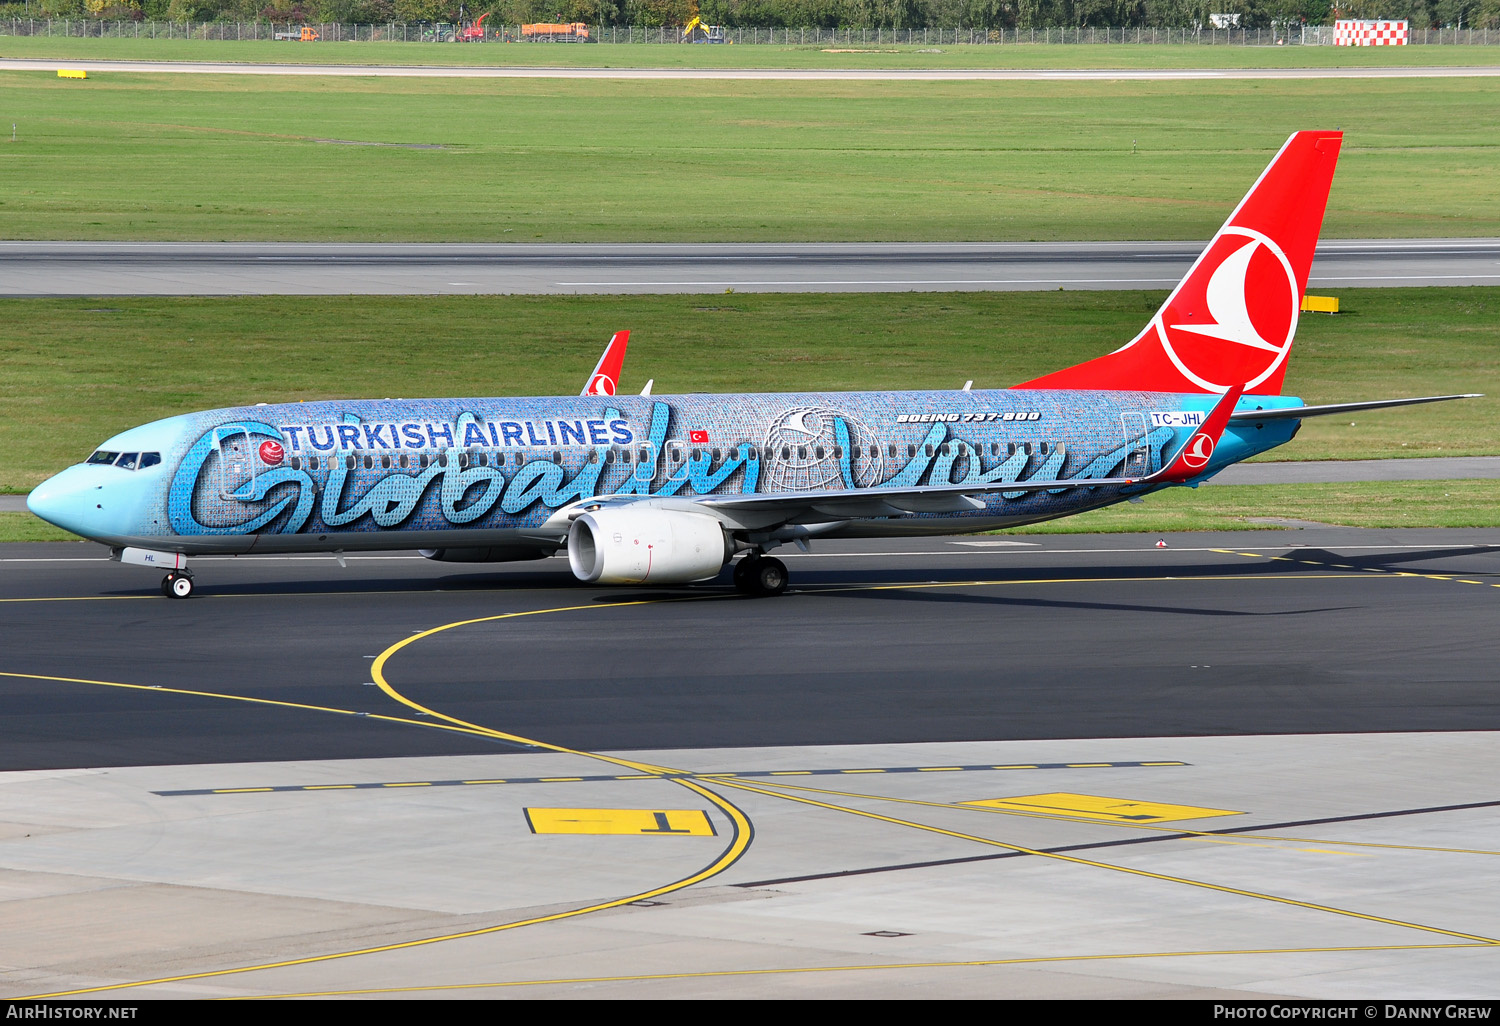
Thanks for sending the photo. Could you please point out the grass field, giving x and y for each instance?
(828, 56)
(79, 370)
(129, 156)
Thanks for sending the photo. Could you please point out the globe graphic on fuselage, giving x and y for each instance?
(802, 445)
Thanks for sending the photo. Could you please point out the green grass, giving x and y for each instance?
(809, 56)
(128, 156)
(80, 370)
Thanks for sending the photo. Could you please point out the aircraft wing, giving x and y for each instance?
(885, 502)
(1324, 411)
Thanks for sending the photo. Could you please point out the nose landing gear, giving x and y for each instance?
(759, 575)
(178, 584)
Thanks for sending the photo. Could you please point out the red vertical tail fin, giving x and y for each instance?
(606, 377)
(1232, 318)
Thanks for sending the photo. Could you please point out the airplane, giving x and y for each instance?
(670, 489)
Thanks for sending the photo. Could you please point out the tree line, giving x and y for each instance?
(856, 14)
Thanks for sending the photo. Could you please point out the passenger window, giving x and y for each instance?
(911, 451)
(403, 461)
(296, 462)
(818, 452)
(312, 462)
(1044, 448)
(891, 450)
(369, 462)
(802, 452)
(716, 455)
(927, 449)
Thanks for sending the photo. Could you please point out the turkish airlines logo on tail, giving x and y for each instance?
(1198, 452)
(1234, 316)
(602, 384)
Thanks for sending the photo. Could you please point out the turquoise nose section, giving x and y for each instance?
(76, 500)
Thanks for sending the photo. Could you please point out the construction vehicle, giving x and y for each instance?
(475, 32)
(304, 35)
(542, 32)
(697, 32)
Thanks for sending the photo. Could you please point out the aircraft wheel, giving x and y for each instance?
(769, 576)
(178, 586)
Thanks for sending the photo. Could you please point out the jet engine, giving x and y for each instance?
(647, 546)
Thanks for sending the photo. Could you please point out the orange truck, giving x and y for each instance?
(573, 32)
(304, 35)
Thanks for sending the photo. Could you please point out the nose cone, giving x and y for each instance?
(72, 500)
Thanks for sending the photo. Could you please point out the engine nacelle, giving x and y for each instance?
(489, 554)
(647, 546)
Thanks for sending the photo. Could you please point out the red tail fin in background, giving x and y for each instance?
(606, 377)
(1232, 319)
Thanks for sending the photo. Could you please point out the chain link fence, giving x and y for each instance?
(846, 38)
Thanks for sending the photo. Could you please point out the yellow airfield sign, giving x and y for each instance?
(643, 822)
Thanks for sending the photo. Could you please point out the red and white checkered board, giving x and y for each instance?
(1354, 32)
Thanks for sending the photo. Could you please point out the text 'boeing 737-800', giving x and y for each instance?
(670, 489)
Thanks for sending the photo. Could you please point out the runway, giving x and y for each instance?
(174, 269)
(763, 74)
(307, 760)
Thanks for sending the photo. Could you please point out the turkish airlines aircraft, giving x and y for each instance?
(668, 490)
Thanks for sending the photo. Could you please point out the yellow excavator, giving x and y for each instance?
(697, 32)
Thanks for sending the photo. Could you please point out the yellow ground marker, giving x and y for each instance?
(1320, 304)
(71, 73)
(1093, 806)
(649, 822)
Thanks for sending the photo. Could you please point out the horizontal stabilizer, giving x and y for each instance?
(1298, 412)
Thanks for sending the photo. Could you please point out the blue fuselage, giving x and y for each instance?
(404, 474)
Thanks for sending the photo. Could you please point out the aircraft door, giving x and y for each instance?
(1138, 462)
(236, 460)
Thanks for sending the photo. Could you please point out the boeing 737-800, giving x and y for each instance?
(670, 489)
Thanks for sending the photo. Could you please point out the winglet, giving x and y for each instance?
(1199, 449)
(606, 377)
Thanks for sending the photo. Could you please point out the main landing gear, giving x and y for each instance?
(760, 575)
(178, 584)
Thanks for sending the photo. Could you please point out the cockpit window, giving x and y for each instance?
(125, 461)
